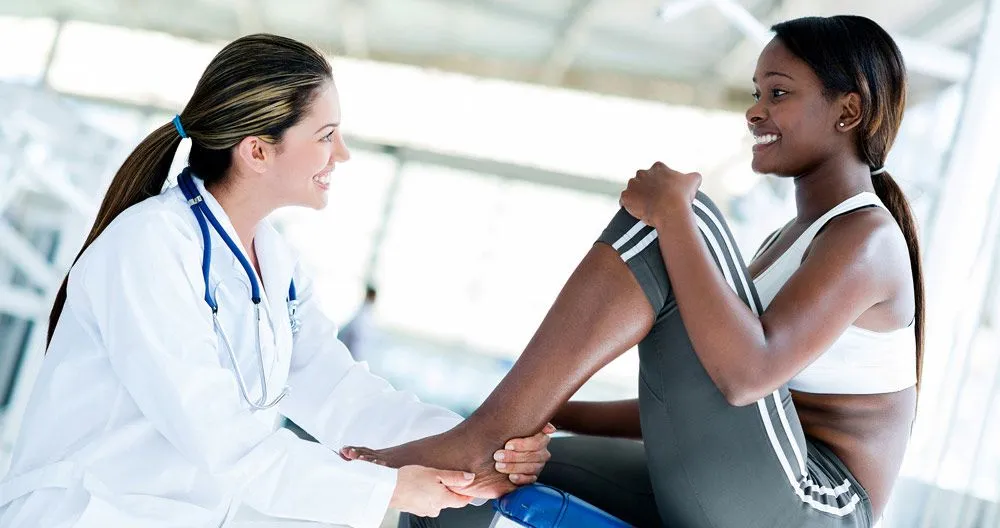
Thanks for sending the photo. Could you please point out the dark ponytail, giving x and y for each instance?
(142, 175)
(895, 201)
(258, 85)
(854, 54)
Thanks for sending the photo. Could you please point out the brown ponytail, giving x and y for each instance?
(895, 201)
(141, 176)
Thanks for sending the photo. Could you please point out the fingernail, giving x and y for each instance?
(498, 455)
(501, 465)
(509, 446)
(469, 476)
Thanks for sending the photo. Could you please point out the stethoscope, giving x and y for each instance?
(201, 212)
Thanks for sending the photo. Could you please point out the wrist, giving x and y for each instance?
(396, 500)
(669, 212)
(563, 419)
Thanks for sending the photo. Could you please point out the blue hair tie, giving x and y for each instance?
(179, 127)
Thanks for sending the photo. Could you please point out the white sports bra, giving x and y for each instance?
(860, 361)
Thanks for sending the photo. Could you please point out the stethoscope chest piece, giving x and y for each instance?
(293, 316)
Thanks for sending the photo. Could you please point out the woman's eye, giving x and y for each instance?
(756, 96)
(778, 93)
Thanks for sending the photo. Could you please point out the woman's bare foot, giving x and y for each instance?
(455, 449)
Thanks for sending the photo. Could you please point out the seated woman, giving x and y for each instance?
(779, 395)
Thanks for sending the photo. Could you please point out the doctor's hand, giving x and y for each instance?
(425, 491)
(523, 458)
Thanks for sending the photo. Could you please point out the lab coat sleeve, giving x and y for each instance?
(144, 283)
(338, 401)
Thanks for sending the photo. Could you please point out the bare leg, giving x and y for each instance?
(600, 313)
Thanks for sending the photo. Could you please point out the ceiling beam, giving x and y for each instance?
(768, 13)
(747, 22)
(21, 302)
(353, 28)
(955, 30)
(570, 38)
(935, 61)
(57, 184)
(23, 254)
(921, 57)
(248, 17)
(948, 23)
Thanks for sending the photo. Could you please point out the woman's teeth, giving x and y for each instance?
(766, 139)
(324, 179)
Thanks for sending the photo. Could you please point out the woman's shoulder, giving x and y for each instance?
(866, 238)
(144, 231)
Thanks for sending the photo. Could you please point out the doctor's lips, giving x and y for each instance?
(323, 178)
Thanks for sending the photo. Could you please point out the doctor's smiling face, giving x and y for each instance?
(297, 169)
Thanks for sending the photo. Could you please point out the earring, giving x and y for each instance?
(841, 124)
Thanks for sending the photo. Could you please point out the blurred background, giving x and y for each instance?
(490, 140)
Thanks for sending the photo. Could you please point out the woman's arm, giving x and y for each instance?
(619, 419)
(747, 354)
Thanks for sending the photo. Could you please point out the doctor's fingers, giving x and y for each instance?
(454, 479)
(454, 498)
(449, 500)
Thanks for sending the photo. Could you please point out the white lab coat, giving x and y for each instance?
(136, 418)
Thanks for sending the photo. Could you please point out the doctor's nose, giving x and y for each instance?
(340, 152)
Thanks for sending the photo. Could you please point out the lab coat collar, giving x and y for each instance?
(276, 258)
(220, 215)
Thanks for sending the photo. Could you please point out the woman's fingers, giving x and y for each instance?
(516, 457)
(530, 468)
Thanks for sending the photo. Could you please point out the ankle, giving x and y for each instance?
(481, 435)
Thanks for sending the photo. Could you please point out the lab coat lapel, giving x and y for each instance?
(275, 257)
(277, 263)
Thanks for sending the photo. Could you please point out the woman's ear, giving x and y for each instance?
(849, 109)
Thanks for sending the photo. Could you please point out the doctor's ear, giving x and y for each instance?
(255, 154)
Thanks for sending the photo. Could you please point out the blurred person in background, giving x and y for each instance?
(142, 414)
(776, 395)
(358, 334)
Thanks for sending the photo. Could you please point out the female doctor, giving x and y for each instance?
(186, 326)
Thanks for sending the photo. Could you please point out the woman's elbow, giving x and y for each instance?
(740, 392)
(740, 398)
